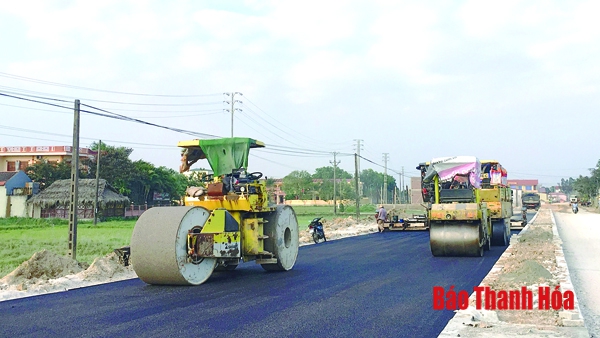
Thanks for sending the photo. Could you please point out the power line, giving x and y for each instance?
(310, 139)
(69, 136)
(110, 114)
(214, 111)
(126, 118)
(28, 79)
(22, 92)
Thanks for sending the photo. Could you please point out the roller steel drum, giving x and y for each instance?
(455, 239)
(159, 246)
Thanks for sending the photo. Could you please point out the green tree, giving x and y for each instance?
(47, 173)
(115, 166)
(270, 182)
(141, 181)
(327, 173)
(566, 186)
(298, 185)
(372, 185)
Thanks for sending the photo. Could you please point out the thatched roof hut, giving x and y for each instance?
(54, 201)
(59, 193)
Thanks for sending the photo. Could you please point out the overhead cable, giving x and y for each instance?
(23, 78)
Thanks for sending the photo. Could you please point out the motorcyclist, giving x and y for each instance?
(575, 207)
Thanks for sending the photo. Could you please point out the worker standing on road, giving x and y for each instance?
(381, 217)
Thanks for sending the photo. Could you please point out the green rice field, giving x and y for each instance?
(22, 237)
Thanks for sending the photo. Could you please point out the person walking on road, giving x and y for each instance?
(381, 217)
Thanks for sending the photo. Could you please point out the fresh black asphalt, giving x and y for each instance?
(376, 285)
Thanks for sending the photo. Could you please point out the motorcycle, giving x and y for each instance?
(575, 208)
(315, 228)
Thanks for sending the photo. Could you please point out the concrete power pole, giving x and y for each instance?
(74, 204)
(97, 182)
(358, 148)
(232, 103)
(401, 197)
(335, 163)
(356, 187)
(385, 160)
(402, 185)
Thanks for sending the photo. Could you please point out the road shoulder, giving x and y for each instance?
(541, 231)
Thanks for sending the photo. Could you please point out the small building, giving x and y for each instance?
(524, 185)
(15, 188)
(557, 197)
(20, 157)
(54, 201)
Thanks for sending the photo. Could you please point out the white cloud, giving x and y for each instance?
(404, 41)
(312, 23)
(315, 74)
(485, 18)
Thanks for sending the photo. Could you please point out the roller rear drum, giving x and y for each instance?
(283, 238)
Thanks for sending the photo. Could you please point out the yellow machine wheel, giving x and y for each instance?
(283, 238)
(159, 246)
(456, 239)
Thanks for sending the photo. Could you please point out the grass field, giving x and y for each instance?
(22, 237)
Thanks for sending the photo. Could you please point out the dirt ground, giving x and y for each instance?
(534, 259)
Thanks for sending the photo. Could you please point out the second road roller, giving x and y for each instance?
(228, 221)
(460, 221)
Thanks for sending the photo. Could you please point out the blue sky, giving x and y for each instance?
(515, 81)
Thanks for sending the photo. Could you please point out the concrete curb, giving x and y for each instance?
(569, 318)
(464, 319)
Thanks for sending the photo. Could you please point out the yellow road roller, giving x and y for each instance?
(228, 221)
(498, 197)
(460, 223)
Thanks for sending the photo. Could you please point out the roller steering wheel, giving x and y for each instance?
(255, 175)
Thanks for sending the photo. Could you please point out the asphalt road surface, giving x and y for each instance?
(374, 285)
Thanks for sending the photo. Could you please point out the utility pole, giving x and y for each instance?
(358, 148)
(356, 187)
(232, 103)
(335, 163)
(74, 205)
(400, 193)
(385, 160)
(97, 182)
(402, 185)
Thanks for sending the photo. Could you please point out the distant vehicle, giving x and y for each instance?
(574, 199)
(519, 221)
(531, 200)
(316, 230)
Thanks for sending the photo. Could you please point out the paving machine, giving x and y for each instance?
(228, 221)
(413, 222)
(498, 197)
(460, 223)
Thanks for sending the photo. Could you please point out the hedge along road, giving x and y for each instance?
(371, 285)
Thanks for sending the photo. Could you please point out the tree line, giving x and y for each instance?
(300, 184)
(140, 180)
(586, 187)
